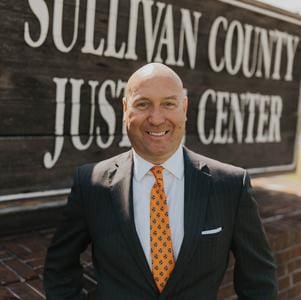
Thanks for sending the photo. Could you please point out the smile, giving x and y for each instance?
(157, 133)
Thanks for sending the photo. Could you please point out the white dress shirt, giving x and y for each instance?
(143, 181)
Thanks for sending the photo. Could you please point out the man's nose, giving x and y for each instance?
(156, 116)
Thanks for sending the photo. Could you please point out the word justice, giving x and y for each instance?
(159, 31)
(107, 87)
(259, 52)
(234, 113)
(249, 117)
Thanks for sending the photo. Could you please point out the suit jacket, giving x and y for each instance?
(220, 215)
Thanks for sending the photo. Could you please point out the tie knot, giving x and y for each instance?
(158, 172)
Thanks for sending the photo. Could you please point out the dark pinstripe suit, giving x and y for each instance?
(100, 211)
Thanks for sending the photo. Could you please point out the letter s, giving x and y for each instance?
(40, 10)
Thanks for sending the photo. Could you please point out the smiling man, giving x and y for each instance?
(155, 112)
(162, 220)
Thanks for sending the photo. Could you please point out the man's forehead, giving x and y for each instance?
(151, 73)
(157, 88)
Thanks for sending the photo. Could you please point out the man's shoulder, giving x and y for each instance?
(213, 166)
(101, 168)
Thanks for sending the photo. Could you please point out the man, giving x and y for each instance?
(162, 220)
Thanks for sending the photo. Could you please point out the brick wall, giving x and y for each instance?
(281, 213)
(22, 256)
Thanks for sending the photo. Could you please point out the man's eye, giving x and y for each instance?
(141, 105)
(170, 104)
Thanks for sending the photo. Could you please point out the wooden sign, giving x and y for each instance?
(64, 66)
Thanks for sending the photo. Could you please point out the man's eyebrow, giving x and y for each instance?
(171, 97)
(139, 98)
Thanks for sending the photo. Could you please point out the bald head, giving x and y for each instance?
(153, 70)
(155, 109)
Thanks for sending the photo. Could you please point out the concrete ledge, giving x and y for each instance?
(30, 214)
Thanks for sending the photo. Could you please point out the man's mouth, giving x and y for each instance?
(161, 133)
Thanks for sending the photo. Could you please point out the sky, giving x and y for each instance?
(291, 5)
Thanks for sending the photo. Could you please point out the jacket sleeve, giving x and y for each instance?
(254, 270)
(63, 271)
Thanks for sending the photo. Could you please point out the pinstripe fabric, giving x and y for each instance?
(100, 211)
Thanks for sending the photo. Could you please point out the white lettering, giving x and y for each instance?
(236, 116)
(151, 32)
(58, 26)
(75, 114)
(107, 112)
(235, 26)
(216, 67)
(131, 46)
(201, 117)
(191, 37)
(50, 160)
(89, 37)
(40, 10)
(291, 47)
(167, 39)
(112, 29)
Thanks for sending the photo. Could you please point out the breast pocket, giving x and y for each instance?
(212, 231)
(213, 247)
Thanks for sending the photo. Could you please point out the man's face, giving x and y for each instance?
(155, 115)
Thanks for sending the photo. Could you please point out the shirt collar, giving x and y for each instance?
(175, 164)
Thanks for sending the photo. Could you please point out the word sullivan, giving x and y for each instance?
(159, 31)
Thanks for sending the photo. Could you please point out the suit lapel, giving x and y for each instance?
(196, 193)
(121, 190)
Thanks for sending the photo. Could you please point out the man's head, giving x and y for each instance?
(155, 112)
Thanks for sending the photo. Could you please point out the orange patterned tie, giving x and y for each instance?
(160, 236)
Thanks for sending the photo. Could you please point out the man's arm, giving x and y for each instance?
(254, 271)
(63, 272)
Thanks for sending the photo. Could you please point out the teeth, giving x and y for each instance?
(157, 133)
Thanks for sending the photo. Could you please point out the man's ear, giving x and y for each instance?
(185, 104)
(124, 107)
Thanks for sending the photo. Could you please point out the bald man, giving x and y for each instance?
(161, 219)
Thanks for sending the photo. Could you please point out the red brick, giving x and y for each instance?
(7, 276)
(34, 244)
(231, 261)
(297, 277)
(90, 271)
(294, 265)
(24, 291)
(5, 294)
(89, 284)
(283, 283)
(37, 284)
(226, 292)
(40, 271)
(47, 235)
(21, 269)
(36, 263)
(294, 292)
(296, 251)
(228, 277)
(15, 248)
(281, 240)
(283, 295)
(283, 256)
(29, 256)
(281, 270)
(4, 254)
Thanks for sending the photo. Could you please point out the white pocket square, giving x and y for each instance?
(212, 231)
